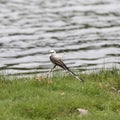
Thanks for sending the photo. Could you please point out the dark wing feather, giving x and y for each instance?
(58, 62)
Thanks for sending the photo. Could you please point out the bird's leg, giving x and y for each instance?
(50, 70)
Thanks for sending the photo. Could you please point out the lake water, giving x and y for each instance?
(86, 31)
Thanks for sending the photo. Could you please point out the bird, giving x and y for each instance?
(57, 61)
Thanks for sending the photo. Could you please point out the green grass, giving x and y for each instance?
(30, 99)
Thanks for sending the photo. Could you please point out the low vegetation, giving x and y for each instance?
(59, 97)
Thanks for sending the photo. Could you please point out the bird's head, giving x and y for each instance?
(52, 52)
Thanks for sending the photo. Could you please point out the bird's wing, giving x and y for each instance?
(58, 61)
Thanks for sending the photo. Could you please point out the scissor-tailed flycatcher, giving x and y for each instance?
(57, 61)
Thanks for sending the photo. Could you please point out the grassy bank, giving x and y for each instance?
(59, 99)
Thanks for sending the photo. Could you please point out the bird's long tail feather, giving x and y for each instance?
(75, 75)
(62, 65)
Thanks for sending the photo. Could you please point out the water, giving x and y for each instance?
(87, 31)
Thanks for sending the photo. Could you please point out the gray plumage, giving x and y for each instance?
(57, 61)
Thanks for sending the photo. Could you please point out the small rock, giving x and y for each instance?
(113, 89)
(42, 77)
(118, 91)
(82, 111)
(62, 94)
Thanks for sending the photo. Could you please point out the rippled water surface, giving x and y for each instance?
(87, 31)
